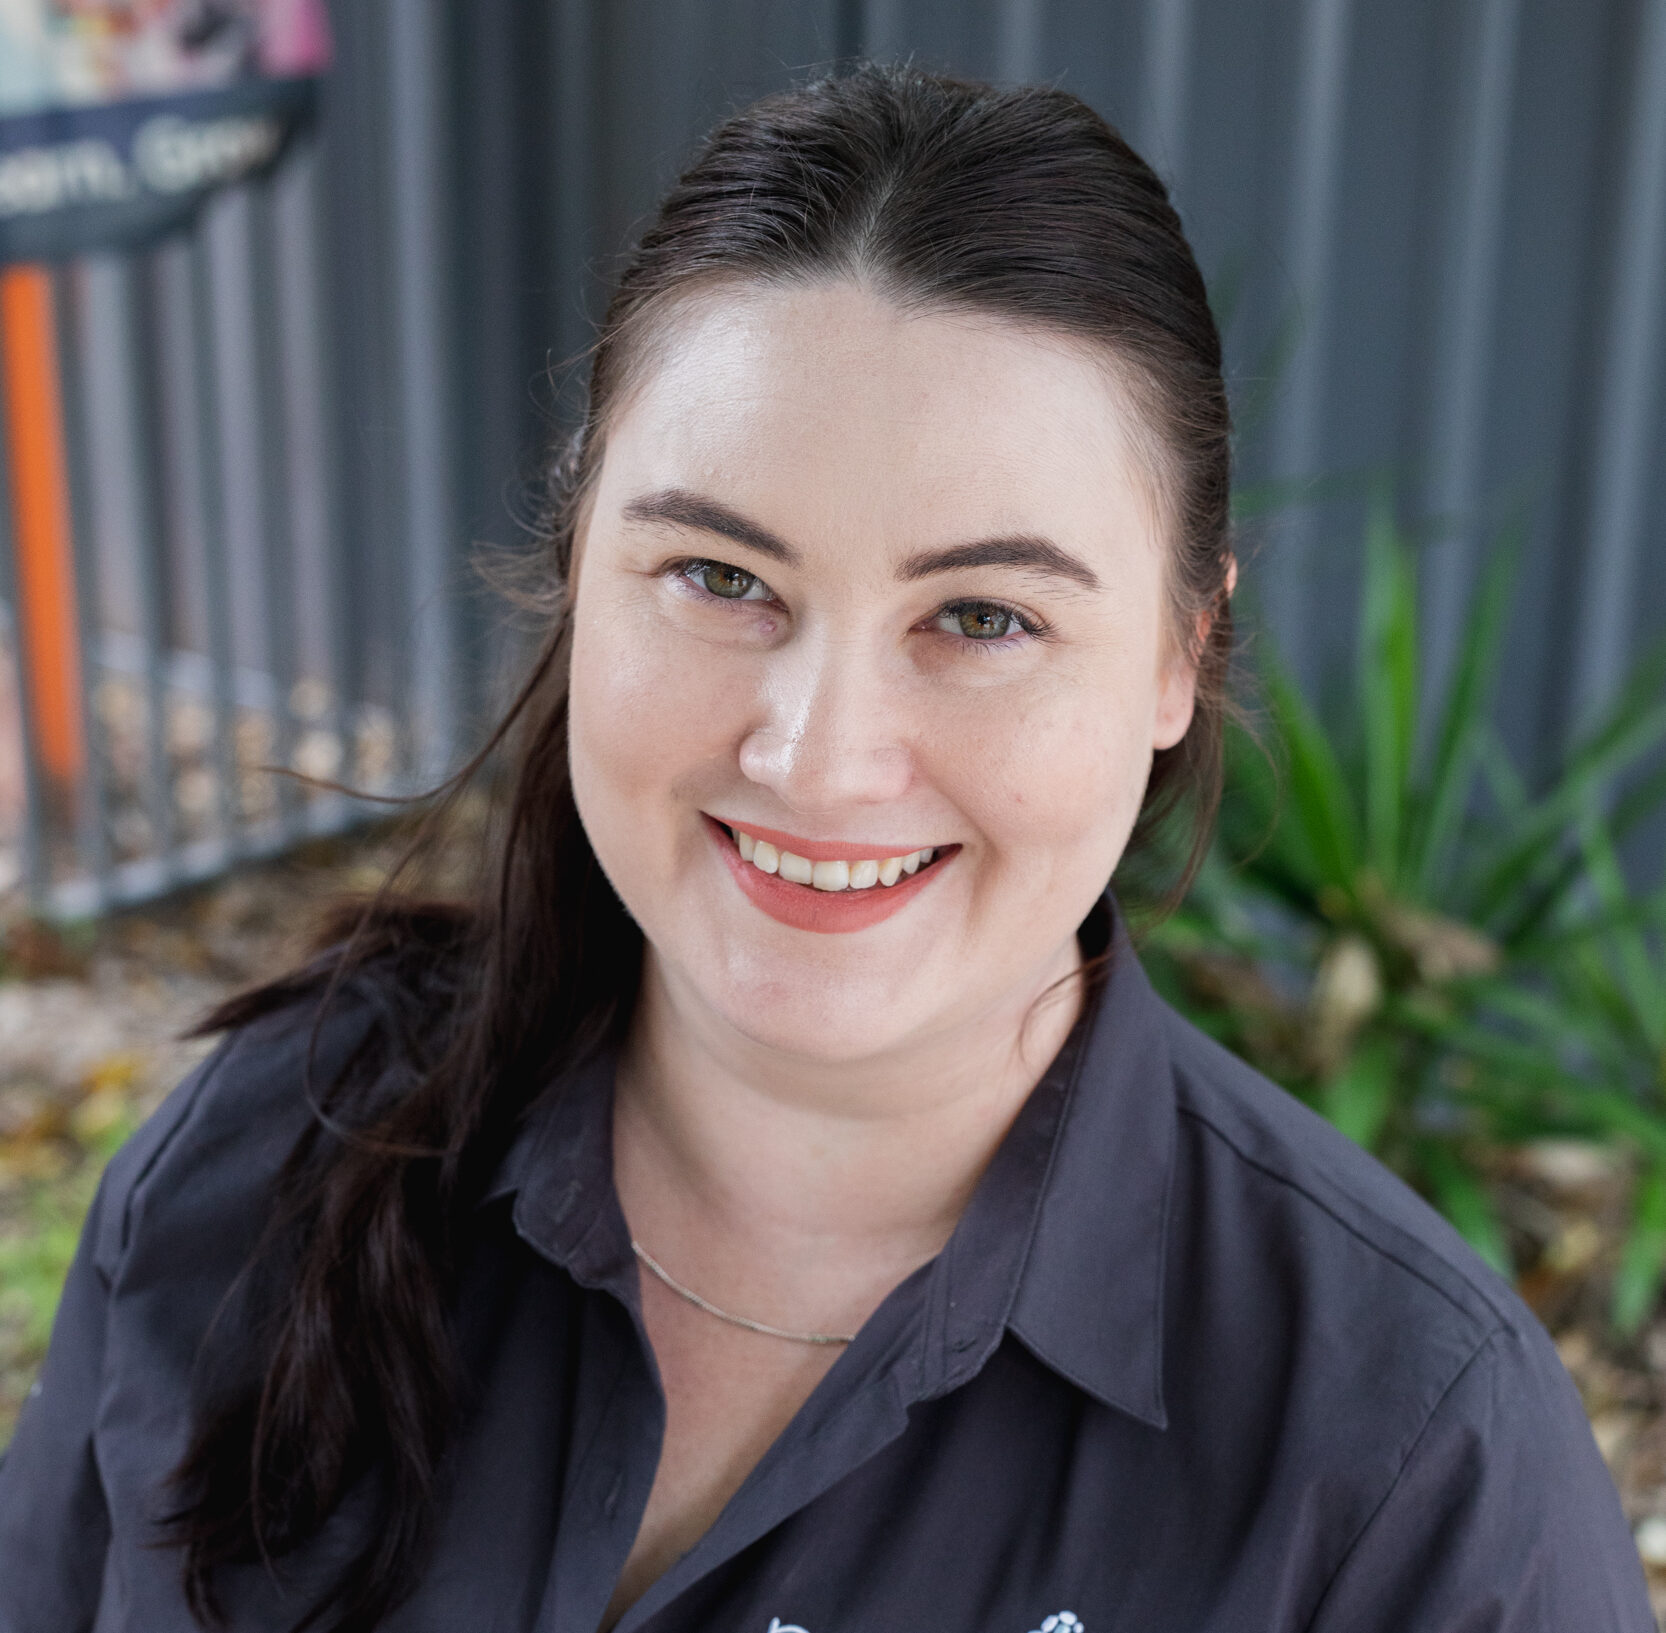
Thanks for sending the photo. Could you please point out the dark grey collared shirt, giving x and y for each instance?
(1191, 1363)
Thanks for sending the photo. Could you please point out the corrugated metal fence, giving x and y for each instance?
(1436, 229)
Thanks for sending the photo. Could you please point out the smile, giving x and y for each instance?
(825, 886)
(835, 873)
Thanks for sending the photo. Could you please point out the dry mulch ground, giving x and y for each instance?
(89, 1044)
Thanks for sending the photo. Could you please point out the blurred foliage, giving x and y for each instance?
(1585, 1043)
(51, 1157)
(35, 1260)
(1437, 956)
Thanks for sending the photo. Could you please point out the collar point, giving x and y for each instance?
(1113, 1385)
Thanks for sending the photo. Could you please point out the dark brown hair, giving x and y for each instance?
(940, 194)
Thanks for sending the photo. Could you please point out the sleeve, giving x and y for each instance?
(1503, 1518)
(54, 1524)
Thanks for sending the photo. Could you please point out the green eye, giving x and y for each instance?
(981, 620)
(729, 582)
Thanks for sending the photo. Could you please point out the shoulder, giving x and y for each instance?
(1411, 1386)
(1341, 1211)
(207, 1156)
(1352, 1304)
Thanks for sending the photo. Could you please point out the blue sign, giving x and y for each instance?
(119, 117)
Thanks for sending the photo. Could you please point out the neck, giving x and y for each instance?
(813, 1187)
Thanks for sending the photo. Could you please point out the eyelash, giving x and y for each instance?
(1034, 629)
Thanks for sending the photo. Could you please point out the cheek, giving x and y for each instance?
(1055, 780)
(648, 706)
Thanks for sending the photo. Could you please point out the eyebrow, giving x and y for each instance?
(684, 509)
(1029, 552)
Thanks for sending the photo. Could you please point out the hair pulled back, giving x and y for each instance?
(940, 194)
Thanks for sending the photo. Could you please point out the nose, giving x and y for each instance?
(831, 735)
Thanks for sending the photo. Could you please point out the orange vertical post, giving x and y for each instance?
(41, 525)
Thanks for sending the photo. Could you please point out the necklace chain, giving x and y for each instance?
(734, 1320)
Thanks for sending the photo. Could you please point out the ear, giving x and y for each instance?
(1176, 698)
(1177, 689)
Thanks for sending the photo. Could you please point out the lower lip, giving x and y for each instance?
(827, 912)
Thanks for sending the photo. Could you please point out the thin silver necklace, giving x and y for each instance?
(734, 1320)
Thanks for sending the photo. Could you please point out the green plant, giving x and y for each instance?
(1583, 1047)
(1386, 891)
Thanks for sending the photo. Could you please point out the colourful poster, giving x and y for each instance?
(118, 117)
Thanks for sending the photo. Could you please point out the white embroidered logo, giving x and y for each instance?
(1064, 1621)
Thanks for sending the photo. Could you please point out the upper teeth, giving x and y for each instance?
(829, 875)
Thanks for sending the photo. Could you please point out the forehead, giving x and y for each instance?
(834, 406)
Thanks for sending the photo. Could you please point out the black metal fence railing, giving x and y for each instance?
(196, 545)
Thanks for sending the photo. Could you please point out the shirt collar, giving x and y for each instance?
(1062, 1243)
(559, 1170)
(1090, 1303)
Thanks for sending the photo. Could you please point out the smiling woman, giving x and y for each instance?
(779, 1202)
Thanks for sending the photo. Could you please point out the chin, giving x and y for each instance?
(829, 1006)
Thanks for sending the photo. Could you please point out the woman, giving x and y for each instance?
(781, 1203)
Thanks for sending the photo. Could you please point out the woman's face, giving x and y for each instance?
(860, 584)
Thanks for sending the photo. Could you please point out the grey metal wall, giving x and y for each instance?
(1436, 228)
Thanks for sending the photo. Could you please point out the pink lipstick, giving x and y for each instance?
(802, 906)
